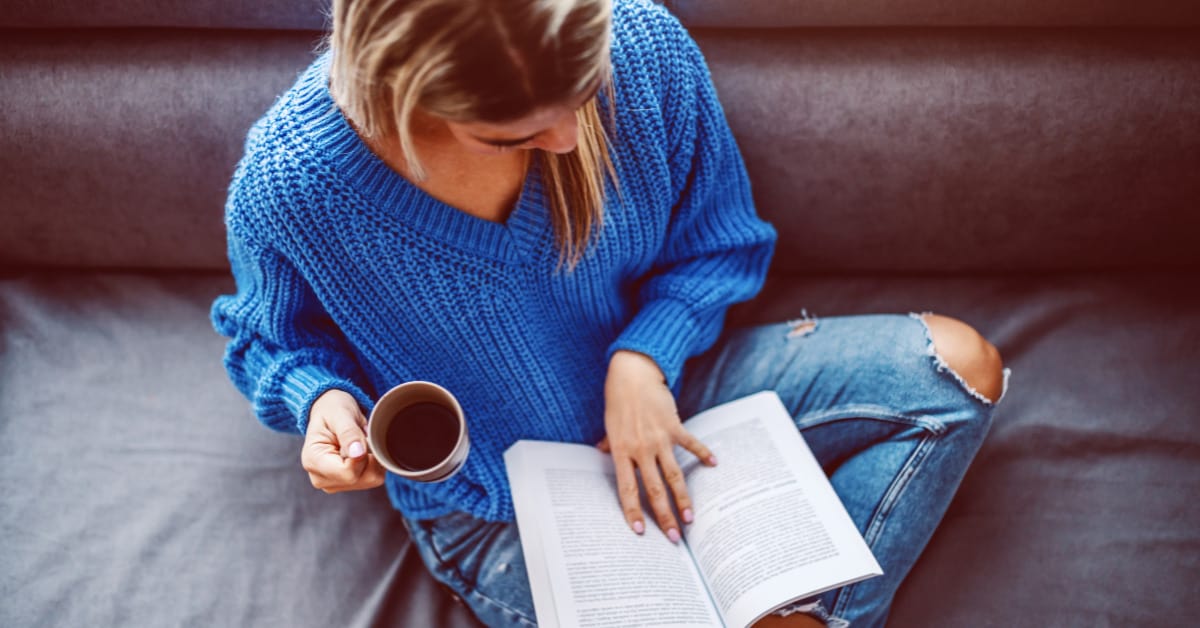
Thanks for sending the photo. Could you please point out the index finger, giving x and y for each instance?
(326, 466)
(370, 476)
(693, 444)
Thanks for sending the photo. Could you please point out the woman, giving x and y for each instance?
(538, 204)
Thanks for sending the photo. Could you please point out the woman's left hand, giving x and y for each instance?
(643, 427)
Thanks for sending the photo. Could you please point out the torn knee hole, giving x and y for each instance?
(959, 350)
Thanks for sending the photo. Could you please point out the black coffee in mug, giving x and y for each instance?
(421, 435)
(419, 432)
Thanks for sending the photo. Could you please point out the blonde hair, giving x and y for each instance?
(484, 60)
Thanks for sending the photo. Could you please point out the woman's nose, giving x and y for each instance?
(560, 138)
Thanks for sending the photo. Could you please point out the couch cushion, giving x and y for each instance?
(929, 150)
(235, 14)
(140, 490)
(311, 14)
(870, 150)
(804, 13)
(116, 147)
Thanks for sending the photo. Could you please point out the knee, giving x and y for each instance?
(967, 353)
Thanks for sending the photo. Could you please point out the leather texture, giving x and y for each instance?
(216, 14)
(143, 491)
(947, 151)
(150, 495)
(892, 13)
(313, 14)
(116, 148)
(1027, 167)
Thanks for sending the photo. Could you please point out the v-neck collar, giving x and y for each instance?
(515, 239)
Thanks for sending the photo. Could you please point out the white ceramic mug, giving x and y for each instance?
(417, 431)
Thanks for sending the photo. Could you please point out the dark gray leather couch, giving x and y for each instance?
(1032, 168)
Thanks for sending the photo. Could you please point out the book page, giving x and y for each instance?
(597, 572)
(768, 527)
(532, 545)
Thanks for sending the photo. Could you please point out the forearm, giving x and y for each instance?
(283, 352)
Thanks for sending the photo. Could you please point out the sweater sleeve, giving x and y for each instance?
(716, 250)
(284, 349)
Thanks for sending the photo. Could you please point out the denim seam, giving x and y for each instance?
(468, 586)
(437, 555)
(504, 609)
(896, 489)
(816, 610)
(862, 411)
(910, 468)
(879, 518)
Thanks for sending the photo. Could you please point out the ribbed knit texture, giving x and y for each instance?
(349, 276)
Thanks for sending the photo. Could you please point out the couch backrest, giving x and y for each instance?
(313, 14)
(991, 150)
(939, 139)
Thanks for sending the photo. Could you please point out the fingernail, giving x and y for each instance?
(712, 460)
(673, 534)
(356, 449)
(639, 527)
(687, 515)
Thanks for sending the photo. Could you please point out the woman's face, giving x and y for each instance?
(553, 129)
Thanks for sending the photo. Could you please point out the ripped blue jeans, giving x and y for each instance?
(890, 423)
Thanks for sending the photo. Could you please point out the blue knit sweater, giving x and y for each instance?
(349, 276)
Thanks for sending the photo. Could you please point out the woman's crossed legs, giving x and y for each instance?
(894, 408)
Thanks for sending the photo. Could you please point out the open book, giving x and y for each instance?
(768, 529)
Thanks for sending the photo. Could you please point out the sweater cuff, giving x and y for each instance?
(663, 329)
(303, 384)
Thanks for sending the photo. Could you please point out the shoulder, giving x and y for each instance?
(650, 45)
(652, 19)
(658, 70)
(278, 161)
(662, 88)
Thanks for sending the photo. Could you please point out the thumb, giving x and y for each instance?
(352, 441)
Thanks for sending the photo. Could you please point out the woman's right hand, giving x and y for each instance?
(335, 446)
